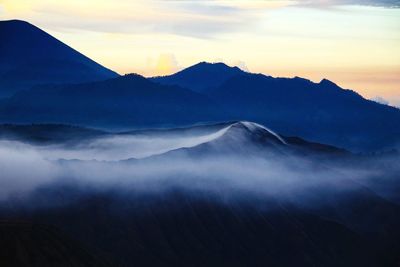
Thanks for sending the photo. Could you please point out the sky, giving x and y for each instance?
(355, 43)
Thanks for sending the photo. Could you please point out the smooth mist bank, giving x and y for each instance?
(222, 158)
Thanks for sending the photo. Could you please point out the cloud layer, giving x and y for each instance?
(321, 3)
(26, 168)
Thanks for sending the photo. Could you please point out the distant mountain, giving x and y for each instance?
(219, 140)
(47, 133)
(30, 56)
(250, 139)
(129, 101)
(200, 77)
(322, 111)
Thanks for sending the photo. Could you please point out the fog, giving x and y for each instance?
(22, 169)
(101, 164)
(127, 146)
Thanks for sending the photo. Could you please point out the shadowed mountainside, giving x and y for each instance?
(322, 112)
(129, 101)
(30, 56)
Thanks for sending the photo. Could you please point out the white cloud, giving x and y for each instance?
(27, 167)
(241, 65)
(326, 3)
(201, 19)
(380, 100)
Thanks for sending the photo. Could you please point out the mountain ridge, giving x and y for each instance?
(125, 101)
(323, 111)
(202, 93)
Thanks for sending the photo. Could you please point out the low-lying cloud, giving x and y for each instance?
(101, 164)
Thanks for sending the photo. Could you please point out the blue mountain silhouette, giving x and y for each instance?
(30, 56)
(129, 101)
(200, 77)
(323, 112)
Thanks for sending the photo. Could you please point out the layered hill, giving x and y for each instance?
(129, 101)
(221, 139)
(245, 138)
(29, 56)
(323, 112)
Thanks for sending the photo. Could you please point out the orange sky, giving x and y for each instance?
(352, 42)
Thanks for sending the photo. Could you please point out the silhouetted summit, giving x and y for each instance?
(29, 56)
(325, 83)
(201, 77)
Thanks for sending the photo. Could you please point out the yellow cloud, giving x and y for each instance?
(166, 64)
(16, 7)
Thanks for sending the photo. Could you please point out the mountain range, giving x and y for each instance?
(322, 111)
(210, 166)
(49, 82)
(129, 101)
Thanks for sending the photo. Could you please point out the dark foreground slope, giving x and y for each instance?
(37, 245)
(30, 56)
(183, 230)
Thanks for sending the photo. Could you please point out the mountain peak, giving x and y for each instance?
(215, 65)
(235, 136)
(255, 128)
(15, 22)
(328, 84)
(24, 45)
(201, 77)
(132, 76)
(11, 29)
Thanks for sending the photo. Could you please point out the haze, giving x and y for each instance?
(108, 163)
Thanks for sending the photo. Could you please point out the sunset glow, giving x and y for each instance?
(353, 43)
